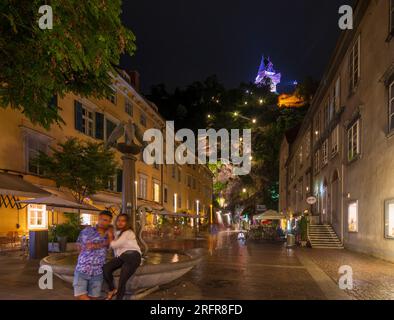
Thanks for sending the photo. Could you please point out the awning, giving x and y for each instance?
(55, 202)
(14, 185)
(150, 204)
(107, 200)
(270, 215)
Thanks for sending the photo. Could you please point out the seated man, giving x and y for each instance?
(93, 244)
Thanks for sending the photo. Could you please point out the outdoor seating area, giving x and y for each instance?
(11, 241)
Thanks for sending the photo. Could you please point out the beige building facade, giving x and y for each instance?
(348, 133)
(181, 188)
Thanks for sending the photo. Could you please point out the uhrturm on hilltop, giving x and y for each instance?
(267, 72)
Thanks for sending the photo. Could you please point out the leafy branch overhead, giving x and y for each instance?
(83, 167)
(77, 55)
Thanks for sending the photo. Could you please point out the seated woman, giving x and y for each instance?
(127, 257)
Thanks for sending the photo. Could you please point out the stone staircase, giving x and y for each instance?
(324, 237)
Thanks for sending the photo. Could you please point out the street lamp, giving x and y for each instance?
(175, 202)
(254, 121)
(198, 213)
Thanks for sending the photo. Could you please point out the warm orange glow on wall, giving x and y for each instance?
(290, 101)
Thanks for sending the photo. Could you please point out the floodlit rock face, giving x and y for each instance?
(290, 101)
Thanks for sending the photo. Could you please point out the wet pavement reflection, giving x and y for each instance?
(234, 269)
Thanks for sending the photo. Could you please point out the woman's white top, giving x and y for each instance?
(125, 242)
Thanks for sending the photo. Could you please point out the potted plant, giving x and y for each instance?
(303, 225)
(62, 232)
(67, 232)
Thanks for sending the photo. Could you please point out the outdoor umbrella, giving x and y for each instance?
(270, 215)
(57, 202)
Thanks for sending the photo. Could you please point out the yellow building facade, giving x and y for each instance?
(179, 188)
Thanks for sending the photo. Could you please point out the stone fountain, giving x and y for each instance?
(159, 266)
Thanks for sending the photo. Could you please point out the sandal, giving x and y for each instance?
(111, 294)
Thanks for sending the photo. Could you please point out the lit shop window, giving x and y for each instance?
(389, 219)
(353, 217)
(37, 217)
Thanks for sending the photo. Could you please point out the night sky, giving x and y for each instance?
(181, 41)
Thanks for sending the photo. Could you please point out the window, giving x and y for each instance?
(88, 219)
(179, 175)
(325, 153)
(308, 145)
(128, 108)
(327, 114)
(335, 141)
(300, 157)
(165, 195)
(194, 183)
(316, 127)
(142, 187)
(354, 141)
(35, 145)
(156, 191)
(112, 96)
(391, 107)
(143, 120)
(115, 182)
(354, 65)
(337, 95)
(389, 218)
(37, 217)
(317, 161)
(173, 172)
(189, 181)
(179, 201)
(84, 119)
(353, 217)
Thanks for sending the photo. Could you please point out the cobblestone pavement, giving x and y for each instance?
(373, 279)
(232, 270)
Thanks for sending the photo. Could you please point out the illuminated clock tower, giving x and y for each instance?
(267, 71)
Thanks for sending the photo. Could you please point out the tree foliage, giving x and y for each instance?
(83, 167)
(77, 55)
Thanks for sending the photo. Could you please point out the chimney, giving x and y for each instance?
(135, 79)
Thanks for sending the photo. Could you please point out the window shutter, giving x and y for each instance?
(53, 104)
(119, 181)
(110, 127)
(99, 134)
(78, 115)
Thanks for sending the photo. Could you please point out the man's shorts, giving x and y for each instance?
(87, 285)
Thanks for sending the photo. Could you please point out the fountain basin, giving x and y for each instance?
(158, 268)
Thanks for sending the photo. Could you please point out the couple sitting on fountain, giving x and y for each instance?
(92, 269)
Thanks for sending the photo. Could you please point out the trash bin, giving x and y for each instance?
(290, 240)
